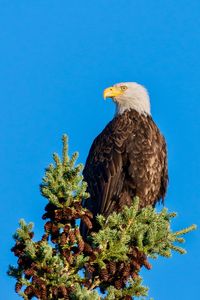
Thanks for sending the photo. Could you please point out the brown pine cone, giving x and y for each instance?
(78, 205)
(77, 214)
(87, 283)
(38, 281)
(89, 214)
(63, 290)
(18, 249)
(29, 272)
(81, 244)
(18, 287)
(112, 267)
(134, 275)
(87, 221)
(31, 234)
(88, 248)
(48, 226)
(134, 251)
(93, 256)
(69, 259)
(72, 236)
(54, 291)
(90, 269)
(43, 293)
(67, 228)
(45, 237)
(63, 239)
(135, 264)
(65, 252)
(118, 284)
(54, 229)
(67, 212)
(147, 264)
(104, 274)
(29, 290)
(126, 271)
(58, 214)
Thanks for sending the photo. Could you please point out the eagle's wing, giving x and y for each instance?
(164, 177)
(147, 172)
(104, 166)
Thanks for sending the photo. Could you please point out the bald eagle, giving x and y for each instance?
(128, 158)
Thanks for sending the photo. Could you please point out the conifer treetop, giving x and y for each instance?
(61, 265)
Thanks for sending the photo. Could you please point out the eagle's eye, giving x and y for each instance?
(124, 87)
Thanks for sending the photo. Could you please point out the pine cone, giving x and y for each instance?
(58, 215)
(77, 214)
(87, 221)
(54, 291)
(67, 228)
(18, 249)
(147, 265)
(126, 271)
(118, 284)
(72, 236)
(18, 287)
(90, 269)
(29, 290)
(78, 205)
(65, 252)
(38, 281)
(112, 267)
(67, 213)
(63, 291)
(104, 274)
(29, 272)
(69, 259)
(48, 226)
(31, 234)
(63, 239)
(87, 248)
(54, 229)
(81, 244)
(136, 265)
(134, 275)
(43, 292)
(45, 237)
(88, 214)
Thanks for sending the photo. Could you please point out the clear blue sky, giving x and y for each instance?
(56, 57)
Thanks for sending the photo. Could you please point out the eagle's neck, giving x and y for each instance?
(140, 104)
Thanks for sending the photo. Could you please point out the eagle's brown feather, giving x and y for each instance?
(128, 158)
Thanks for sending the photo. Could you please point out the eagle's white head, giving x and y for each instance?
(129, 95)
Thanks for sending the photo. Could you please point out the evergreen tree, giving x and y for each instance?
(63, 266)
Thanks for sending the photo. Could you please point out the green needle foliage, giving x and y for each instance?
(145, 229)
(63, 266)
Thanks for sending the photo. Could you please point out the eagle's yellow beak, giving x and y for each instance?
(112, 91)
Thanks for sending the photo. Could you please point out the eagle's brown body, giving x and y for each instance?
(128, 158)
